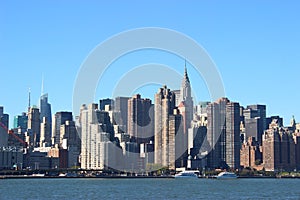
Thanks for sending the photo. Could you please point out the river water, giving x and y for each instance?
(97, 188)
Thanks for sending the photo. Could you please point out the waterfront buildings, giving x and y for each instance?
(251, 153)
(279, 150)
(11, 158)
(169, 136)
(122, 133)
(223, 134)
(232, 135)
(296, 138)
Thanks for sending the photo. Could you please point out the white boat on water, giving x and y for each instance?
(39, 175)
(187, 174)
(226, 175)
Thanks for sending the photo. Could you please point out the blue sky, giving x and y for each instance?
(254, 44)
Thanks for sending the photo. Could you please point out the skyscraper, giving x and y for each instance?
(233, 143)
(215, 130)
(223, 134)
(70, 140)
(46, 120)
(176, 155)
(255, 121)
(45, 139)
(45, 109)
(34, 126)
(139, 120)
(68, 132)
(186, 105)
(164, 106)
(95, 141)
(186, 108)
(59, 119)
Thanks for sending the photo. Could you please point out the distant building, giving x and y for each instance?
(20, 121)
(261, 113)
(70, 141)
(139, 126)
(269, 120)
(4, 120)
(251, 154)
(104, 102)
(59, 119)
(34, 126)
(45, 111)
(197, 145)
(97, 150)
(201, 108)
(45, 139)
(177, 97)
(68, 132)
(255, 121)
(176, 148)
(104, 121)
(121, 113)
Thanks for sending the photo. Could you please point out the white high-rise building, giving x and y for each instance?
(45, 139)
(95, 151)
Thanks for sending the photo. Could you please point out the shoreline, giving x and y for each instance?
(84, 177)
(128, 177)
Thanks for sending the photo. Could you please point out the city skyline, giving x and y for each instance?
(212, 135)
(43, 39)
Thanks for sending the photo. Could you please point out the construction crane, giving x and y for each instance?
(11, 132)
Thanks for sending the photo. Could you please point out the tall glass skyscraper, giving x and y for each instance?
(45, 109)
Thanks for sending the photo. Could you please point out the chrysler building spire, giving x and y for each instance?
(185, 90)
